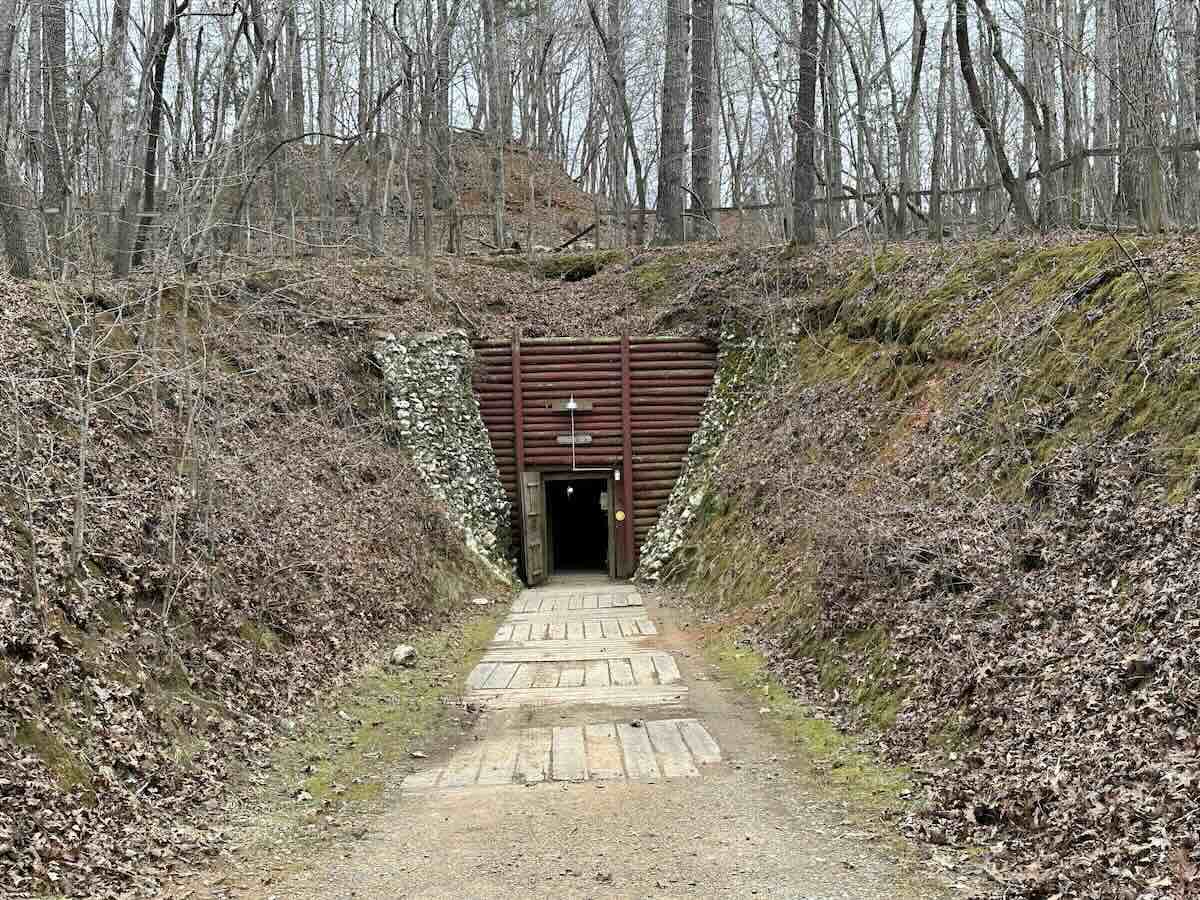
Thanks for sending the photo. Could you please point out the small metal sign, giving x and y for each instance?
(577, 439)
(565, 405)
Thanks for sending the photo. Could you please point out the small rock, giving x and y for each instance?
(404, 655)
(303, 796)
(482, 601)
(417, 754)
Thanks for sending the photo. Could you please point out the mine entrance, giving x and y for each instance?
(579, 524)
(589, 411)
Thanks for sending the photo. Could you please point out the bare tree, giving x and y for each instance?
(985, 119)
(804, 228)
(12, 217)
(674, 110)
(702, 131)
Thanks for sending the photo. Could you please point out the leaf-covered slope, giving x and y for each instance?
(965, 496)
(242, 530)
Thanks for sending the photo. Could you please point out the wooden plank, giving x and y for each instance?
(629, 627)
(545, 676)
(590, 601)
(647, 627)
(464, 767)
(503, 633)
(500, 760)
(643, 669)
(568, 757)
(604, 601)
(640, 763)
(556, 631)
(527, 602)
(569, 651)
(501, 676)
(668, 671)
(592, 630)
(673, 754)
(611, 628)
(523, 677)
(702, 744)
(620, 672)
(533, 758)
(603, 752)
(637, 695)
(480, 674)
(582, 615)
(574, 631)
(570, 678)
(596, 673)
(575, 601)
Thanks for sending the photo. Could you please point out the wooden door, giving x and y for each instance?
(534, 510)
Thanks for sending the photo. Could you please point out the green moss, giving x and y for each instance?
(576, 266)
(259, 635)
(70, 771)
(511, 262)
(819, 745)
(657, 279)
(390, 711)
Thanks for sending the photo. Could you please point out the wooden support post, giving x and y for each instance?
(519, 440)
(627, 458)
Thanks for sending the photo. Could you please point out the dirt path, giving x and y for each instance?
(609, 764)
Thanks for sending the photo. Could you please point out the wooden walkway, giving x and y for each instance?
(590, 648)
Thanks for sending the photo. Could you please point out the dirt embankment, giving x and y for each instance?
(962, 492)
(206, 516)
(203, 518)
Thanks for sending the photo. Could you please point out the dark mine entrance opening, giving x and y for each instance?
(577, 519)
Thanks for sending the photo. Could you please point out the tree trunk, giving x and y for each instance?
(831, 127)
(364, 70)
(447, 21)
(12, 213)
(1102, 168)
(702, 91)
(614, 52)
(153, 129)
(37, 81)
(488, 13)
(112, 116)
(936, 227)
(503, 68)
(324, 125)
(714, 112)
(674, 109)
(804, 170)
(296, 111)
(906, 124)
(55, 188)
(987, 124)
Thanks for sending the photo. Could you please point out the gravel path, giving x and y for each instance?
(610, 764)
